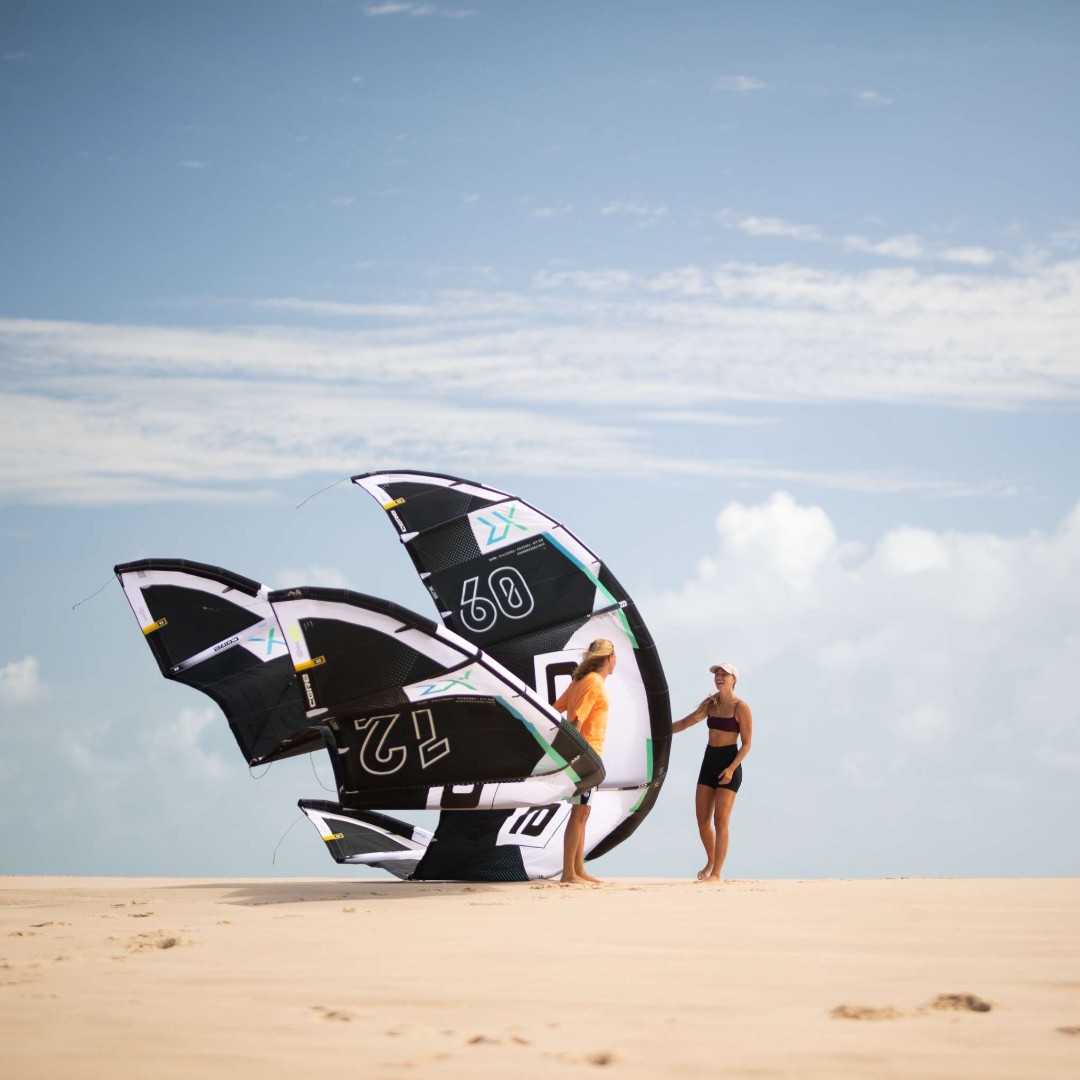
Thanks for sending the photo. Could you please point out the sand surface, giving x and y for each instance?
(153, 977)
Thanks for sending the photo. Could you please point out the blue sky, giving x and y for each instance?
(776, 305)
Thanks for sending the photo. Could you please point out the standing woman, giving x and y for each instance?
(730, 723)
(585, 703)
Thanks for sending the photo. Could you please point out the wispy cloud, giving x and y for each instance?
(905, 246)
(195, 164)
(589, 281)
(96, 413)
(899, 247)
(773, 226)
(967, 256)
(402, 7)
(740, 84)
(913, 248)
(17, 56)
(557, 210)
(635, 210)
(873, 99)
(704, 418)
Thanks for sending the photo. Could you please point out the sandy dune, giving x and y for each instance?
(114, 977)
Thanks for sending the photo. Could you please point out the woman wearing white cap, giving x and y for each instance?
(730, 730)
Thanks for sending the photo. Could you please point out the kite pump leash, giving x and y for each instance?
(321, 490)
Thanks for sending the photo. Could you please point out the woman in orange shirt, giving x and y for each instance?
(585, 703)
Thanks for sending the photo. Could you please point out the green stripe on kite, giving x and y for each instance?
(596, 581)
(544, 744)
(648, 775)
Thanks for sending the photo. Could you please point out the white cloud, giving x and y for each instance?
(740, 84)
(910, 247)
(635, 209)
(968, 256)
(342, 202)
(774, 226)
(183, 742)
(709, 419)
(96, 412)
(926, 650)
(417, 10)
(187, 742)
(195, 164)
(897, 247)
(20, 682)
(873, 98)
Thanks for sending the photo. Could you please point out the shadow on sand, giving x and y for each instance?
(257, 893)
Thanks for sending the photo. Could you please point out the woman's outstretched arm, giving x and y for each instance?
(692, 718)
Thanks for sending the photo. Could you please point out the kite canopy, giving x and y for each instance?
(417, 718)
(416, 715)
(213, 630)
(509, 578)
(365, 838)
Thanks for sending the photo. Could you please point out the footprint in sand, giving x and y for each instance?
(158, 939)
(865, 1012)
(10, 975)
(961, 1002)
(322, 1012)
(139, 914)
(40, 925)
(595, 1057)
(1069, 1030)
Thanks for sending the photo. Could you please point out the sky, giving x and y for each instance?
(775, 305)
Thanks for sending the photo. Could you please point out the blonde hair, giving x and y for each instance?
(595, 655)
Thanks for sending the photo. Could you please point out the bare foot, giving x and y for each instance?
(704, 873)
(709, 879)
(571, 879)
(588, 877)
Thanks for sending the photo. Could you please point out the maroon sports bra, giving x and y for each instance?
(723, 723)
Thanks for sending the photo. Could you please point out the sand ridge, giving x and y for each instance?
(117, 977)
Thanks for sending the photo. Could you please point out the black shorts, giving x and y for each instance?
(716, 760)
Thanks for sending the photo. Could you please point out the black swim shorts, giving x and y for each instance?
(716, 760)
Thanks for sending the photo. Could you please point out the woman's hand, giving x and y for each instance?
(726, 775)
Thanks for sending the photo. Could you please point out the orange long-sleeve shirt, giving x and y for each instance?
(586, 701)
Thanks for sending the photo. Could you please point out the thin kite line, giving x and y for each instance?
(321, 490)
(92, 595)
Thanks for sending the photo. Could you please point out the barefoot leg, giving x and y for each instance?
(573, 842)
(723, 801)
(703, 805)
